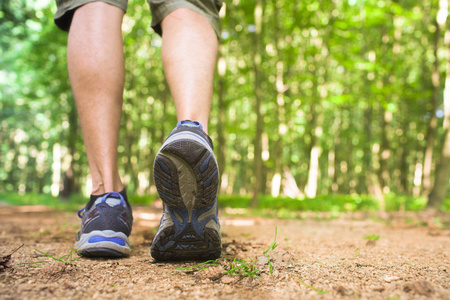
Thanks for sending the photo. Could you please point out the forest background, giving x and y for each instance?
(323, 105)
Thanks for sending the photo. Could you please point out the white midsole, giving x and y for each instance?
(84, 244)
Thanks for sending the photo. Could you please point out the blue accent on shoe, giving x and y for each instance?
(198, 226)
(204, 165)
(189, 123)
(106, 196)
(167, 197)
(114, 195)
(209, 196)
(163, 167)
(97, 239)
(165, 183)
(208, 181)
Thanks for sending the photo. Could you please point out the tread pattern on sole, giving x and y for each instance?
(200, 162)
(187, 178)
(101, 252)
(188, 245)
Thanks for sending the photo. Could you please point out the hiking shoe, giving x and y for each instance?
(187, 179)
(106, 224)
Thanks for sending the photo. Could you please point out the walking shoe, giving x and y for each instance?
(187, 179)
(106, 224)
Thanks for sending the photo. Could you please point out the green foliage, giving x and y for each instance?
(236, 266)
(398, 202)
(271, 247)
(329, 203)
(66, 259)
(372, 237)
(74, 202)
(242, 267)
(233, 266)
(142, 199)
(280, 207)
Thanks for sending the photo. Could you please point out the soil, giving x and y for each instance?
(316, 258)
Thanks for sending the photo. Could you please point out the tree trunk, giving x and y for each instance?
(279, 110)
(69, 183)
(432, 124)
(441, 182)
(257, 159)
(222, 110)
(317, 118)
(313, 173)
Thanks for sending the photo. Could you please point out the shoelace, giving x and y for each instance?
(113, 194)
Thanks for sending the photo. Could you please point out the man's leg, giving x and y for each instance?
(96, 70)
(185, 169)
(189, 52)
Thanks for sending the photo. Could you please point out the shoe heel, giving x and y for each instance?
(186, 175)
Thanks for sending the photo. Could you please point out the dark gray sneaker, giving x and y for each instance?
(106, 224)
(187, 179)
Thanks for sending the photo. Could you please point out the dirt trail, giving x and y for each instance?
(313, 260)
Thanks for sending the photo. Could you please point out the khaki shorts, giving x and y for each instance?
(160, 8)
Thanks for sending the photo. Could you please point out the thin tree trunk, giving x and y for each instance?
(333, 155)
(258, 168)
(222, 67)
(317, 118)
(69, 184)
(441, 183)
(432, 124)
(313, 173)
(279, 110)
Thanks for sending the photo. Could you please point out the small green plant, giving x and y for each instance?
(372, 237)
(202, 266)
(233, 267)
(437, 222)
(236, 266)
(241, 267)
(66, 259)
(271, 247)
(285, 236)
(319, 291)
(357, 252)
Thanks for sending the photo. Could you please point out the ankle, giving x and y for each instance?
(103, 187)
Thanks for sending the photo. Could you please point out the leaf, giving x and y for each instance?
(309, 286)
(5, 261)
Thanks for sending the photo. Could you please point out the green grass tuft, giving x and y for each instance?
(66, 259)
(319, 291)
(372, 237)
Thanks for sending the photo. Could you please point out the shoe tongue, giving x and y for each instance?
(189, 123)
(110, 201)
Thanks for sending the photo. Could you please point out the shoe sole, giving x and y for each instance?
(103, 243)
(187, 178)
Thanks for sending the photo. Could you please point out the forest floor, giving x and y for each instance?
(314, 259)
